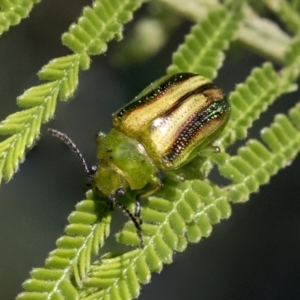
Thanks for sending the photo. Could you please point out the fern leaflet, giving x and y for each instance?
(203, 49)
(286, 12)
(98, 24)
(255, 163)
(12, 12)
(181, 212)
(168, 226)
(89, 226)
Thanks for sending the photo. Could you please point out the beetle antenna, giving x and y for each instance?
(63, 137)
(132, 217)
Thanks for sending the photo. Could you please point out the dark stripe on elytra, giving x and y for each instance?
(154, 94)
(180, 101)
(193, 128)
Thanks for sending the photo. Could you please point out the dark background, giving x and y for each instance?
(253, 255)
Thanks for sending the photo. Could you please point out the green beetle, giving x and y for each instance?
(161, 129)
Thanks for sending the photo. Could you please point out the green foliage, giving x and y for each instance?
(181, 212)
(203, 50)
(13, 11)
(178, 214)
(98, 25)
(255, 163)
(89, 226)
(287, 13)
(251, 99)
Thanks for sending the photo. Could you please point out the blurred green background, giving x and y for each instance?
(253, 255)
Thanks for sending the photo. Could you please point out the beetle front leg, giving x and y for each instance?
(113, 202)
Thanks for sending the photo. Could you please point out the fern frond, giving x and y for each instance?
(292, 58)
(261, 89)
(257, 33)
(251, 99)
(292, 53)
(64, 71)
(286, 12)
(181, 212)
(256, 163)
(98, 25)
(203, 49)
(168, 224)
(12, 12)
(25, 125)
(171, 219)
(89, 226)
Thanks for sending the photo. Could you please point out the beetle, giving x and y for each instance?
(161, 129)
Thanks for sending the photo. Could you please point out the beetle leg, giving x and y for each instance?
(111, 202)
(137, 211)
(114, 201)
